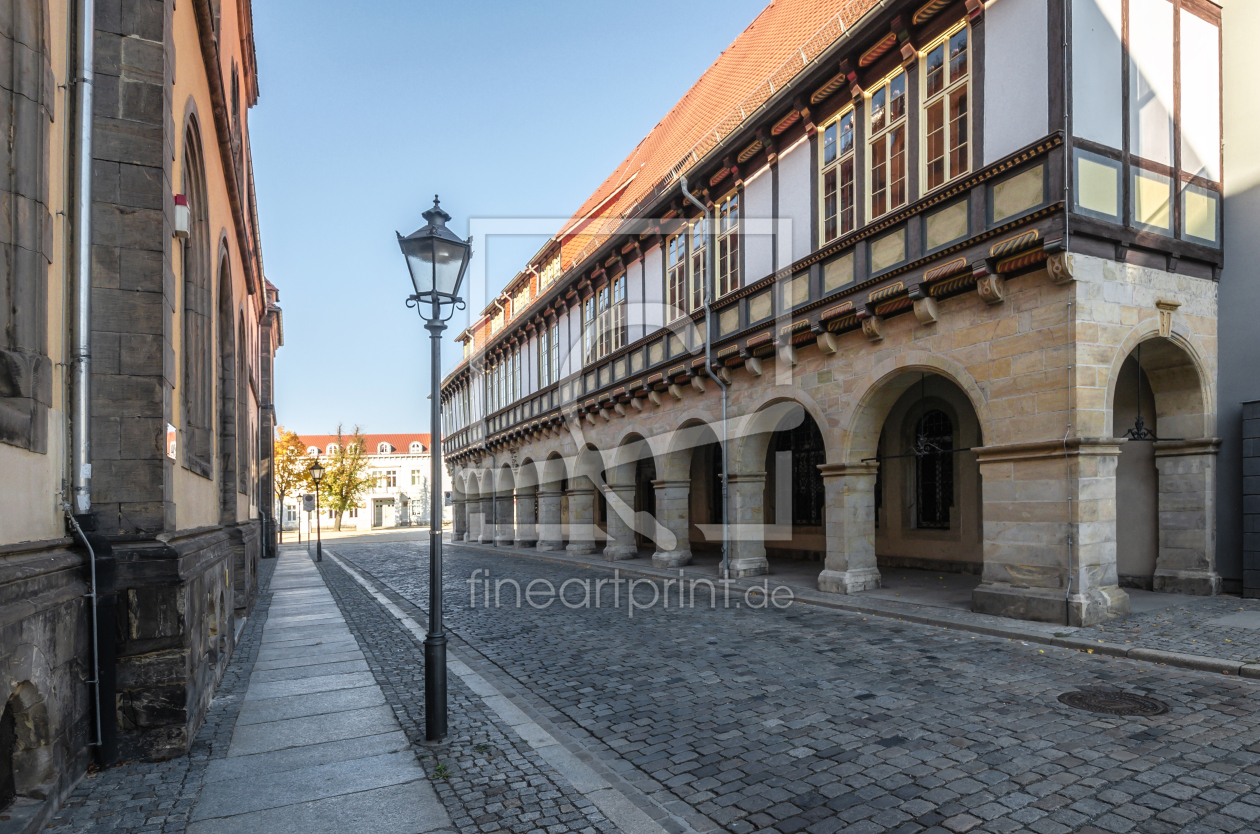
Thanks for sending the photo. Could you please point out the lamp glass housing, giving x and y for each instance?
(317, 471)
(436, 257)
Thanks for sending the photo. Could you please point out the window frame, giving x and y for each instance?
(676, 275)
(696, 267)
(836, 166)
(617, 312)
(726, 263)
(873, 137)
(943, 96)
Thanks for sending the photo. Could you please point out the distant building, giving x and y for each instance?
(401, 465)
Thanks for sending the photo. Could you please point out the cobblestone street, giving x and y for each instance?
(823, 721)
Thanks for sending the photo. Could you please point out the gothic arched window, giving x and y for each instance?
(198, 358)
(934, 471)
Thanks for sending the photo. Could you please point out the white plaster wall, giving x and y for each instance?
(1097, 86)
(1016, 69)
(653, 289)
(794, 205)
(634, 301)
(758, 241)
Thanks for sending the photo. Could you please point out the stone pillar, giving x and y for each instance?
(1187, 517)
(472, 508)
(526, 519)
(550, 534)
(746, 549)
(581, 521)
(487, 521)
(621, 517)
(673, 513)
(459, 527)
(1050, 532)
(850, 527)
(505, 520)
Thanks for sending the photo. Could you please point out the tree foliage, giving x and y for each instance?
(347, 476)
(291, 464)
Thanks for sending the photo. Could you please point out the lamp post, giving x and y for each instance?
(437, 259)
(317, 474)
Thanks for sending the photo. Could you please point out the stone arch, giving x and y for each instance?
(631, 497)
(676, 464)
(228, 402)
(862, 421)
(527, 476)
(504, 505)
(750, 434)
(198, 380)
(586, 490)
(27, 737)
(552, 482)
(1168, 461)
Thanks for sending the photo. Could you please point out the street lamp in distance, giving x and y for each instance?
(437, 259)
(316, 470)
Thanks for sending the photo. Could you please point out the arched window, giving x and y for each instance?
(805, 443)
(27, 100)
(314, 450)
(244, 414)
(198, 358)
(333, 448)
(229, 396)
(934, 471)
(384, 449)
(417, 447)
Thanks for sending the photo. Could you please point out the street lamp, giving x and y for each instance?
(316, 471)
(437, 259)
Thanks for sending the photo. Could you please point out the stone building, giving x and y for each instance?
(400, 465)
(912, 284)
(135, 379)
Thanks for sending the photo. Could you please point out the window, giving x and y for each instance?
(945, 124)
(384, 448)
(555, 353)
(934, 472)
(618, 314)
(603, 326)
(696, 251)
(544, 357)
(391, 478)
(838, 208)
(887, 107)
(496, 320)
(198, 351)
(417, 477)
(728, 245)
(550, 272)
(313, 451)
(417, 447)
(675, 276)
(588, 330)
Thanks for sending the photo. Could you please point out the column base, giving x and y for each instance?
(1047, 605)
(620, 552)
(581, 548)
(503, 541)
(849, 581)
(671, 558)
(751, 566)
(1199, 583)
(525, 542)
(484, 539)
(546, 545)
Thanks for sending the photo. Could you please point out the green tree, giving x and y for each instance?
(292, 461)
(346, 477)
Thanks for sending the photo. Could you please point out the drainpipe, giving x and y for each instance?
(1067, 248)
(708, 362)
(80, 405)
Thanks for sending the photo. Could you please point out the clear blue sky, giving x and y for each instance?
(506, 109)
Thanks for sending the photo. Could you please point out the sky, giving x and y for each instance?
(507, 110)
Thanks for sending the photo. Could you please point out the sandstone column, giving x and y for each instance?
(550, 536)
(581, 521)
(673, 513)
(1187, 517)
(746, 548)
(621, 541)
(459, 530)
(850, 526)
(526, 518)
(505, 522)
(487, 520)
(1050, 532)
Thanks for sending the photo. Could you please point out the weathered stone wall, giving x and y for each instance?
(1036, 358)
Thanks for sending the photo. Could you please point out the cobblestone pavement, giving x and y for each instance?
(822, 721)
(1226, 627)
(487, 777)
(141, 797)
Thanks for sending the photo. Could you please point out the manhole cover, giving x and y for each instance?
(1113, 703)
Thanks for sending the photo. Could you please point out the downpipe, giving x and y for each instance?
(708, 362)
(101, 597)
(80, 405)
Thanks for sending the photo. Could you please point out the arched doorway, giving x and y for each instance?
(1162, 410)
(504, 507)
(526, 504)
(586, 482)
(795, 505)
(630, 499)
(685, 496)
(551, 503)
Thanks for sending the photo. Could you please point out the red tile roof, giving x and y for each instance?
(400, 442)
